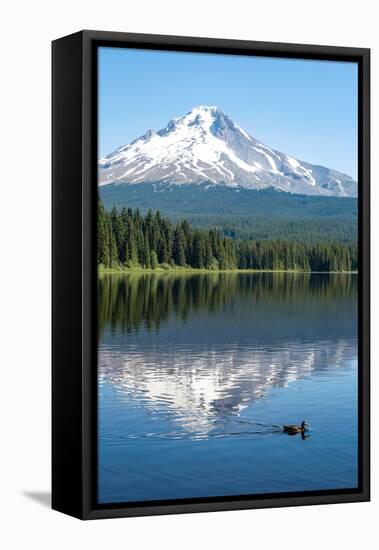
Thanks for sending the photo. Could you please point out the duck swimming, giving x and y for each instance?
(293, 429)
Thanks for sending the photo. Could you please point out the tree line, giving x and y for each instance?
(126, 238)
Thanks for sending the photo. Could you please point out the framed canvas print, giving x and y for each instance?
(210, 274)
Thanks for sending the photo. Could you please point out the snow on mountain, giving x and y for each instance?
(206, 146)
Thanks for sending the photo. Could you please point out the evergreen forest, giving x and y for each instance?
(128, 239)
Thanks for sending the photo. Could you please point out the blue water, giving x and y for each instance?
(197, 373)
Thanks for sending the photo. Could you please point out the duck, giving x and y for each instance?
(293, 429)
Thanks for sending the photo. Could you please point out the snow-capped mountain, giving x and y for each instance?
(206, 146)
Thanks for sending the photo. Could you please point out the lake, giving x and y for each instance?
(197, 372)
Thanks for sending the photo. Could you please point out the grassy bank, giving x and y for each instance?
(191, 270)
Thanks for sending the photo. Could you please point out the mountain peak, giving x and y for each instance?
(206, 108)
(205, 113)
(206, 146)
(203, 116)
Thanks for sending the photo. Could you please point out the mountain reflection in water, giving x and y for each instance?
(194, 351)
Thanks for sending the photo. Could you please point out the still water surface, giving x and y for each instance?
(197, 372)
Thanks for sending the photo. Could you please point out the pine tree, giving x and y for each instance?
(153, 259)
(146, 252)
(102, 237)
(119, 231)
(198, 251)
(113, 253)
(178, 250)
(208, 253)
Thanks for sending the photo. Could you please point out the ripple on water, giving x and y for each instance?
(197, 391)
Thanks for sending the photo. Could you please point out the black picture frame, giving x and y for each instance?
(74, 338)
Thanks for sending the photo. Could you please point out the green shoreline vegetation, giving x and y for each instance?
(175, 270)
(129, 243)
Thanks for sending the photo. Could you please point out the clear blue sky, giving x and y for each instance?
(307, 109)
